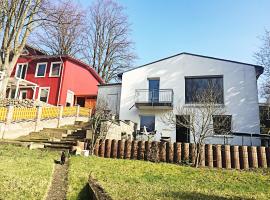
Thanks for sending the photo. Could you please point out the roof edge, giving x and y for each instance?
(109, 84)
(88, 67)
(258, 67)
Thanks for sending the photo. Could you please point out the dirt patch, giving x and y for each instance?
(58, 188)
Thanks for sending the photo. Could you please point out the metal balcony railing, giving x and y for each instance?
(154, 97)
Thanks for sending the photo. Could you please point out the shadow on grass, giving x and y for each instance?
(197, 196)
(84, 193)
(57, 161)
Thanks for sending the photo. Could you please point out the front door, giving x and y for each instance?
(70, 98)
(23, 94)
(153, 90)
(182, 131)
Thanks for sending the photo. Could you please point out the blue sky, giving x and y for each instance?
(225, 29)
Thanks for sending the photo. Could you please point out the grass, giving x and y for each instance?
(128, 179)
(24, 173)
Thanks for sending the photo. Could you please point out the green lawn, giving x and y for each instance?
(24, 173)
(128, 179)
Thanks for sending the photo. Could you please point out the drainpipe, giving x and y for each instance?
(61, 81)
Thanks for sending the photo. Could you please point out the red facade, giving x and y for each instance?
(75, 79)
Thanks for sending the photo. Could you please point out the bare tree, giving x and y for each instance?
(109, 48)
(99, 124)
(263, 58)
(64, 30)
(17, 19)
(203, 119)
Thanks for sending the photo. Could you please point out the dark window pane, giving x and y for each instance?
(41, 70)
(24, 72)
(222, 124)
(148, 122)
(204, 90)
(56, 69)
(19, 70)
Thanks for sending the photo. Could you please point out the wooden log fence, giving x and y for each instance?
(218, 156)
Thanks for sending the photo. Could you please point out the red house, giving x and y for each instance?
(54, 79)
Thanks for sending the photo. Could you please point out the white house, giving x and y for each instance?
(172, 78)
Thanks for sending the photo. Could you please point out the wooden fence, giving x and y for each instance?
(22, 114)
(218, 156)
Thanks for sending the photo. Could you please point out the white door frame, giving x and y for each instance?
(70, 92)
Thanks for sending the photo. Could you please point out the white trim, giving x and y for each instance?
(37, 66)
(39, 92)
(21, 71)
(50, 74)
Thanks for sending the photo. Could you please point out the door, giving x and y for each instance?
(90, 103)
(153, 90)
(23, 94)
(182, 132)
(70, 98)
(112, 100)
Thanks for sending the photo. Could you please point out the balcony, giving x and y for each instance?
(154, 99)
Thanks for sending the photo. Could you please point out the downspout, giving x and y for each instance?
(61, 81)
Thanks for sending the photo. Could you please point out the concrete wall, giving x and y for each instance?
(115, 129)
(111, 93)
(21, 128)
(240, 90)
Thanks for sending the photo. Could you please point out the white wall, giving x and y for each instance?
(239, 80)
(111, 93)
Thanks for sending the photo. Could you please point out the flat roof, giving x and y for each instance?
(109, 84)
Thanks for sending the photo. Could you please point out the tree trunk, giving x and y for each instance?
(3, 86)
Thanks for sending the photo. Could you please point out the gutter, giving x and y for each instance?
(61, 80)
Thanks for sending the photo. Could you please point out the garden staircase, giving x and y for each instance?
(63, 138)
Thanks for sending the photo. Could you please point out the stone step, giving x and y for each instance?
(73, 139)
(57, 146)
(51, 142)
(56, 130)
(77, 134)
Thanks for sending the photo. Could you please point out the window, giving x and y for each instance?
(41, 69)
(222, 124)
(44, 94)
(21, 71)
(148, 122)
(55, 69)
(204, 89)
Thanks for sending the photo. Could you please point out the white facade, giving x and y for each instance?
(239, 83)
(111, 94)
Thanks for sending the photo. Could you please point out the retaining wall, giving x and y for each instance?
(218, 156)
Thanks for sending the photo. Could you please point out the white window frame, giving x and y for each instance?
(17, 67)
(39, 92)
(50, 74)
(37, 66)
